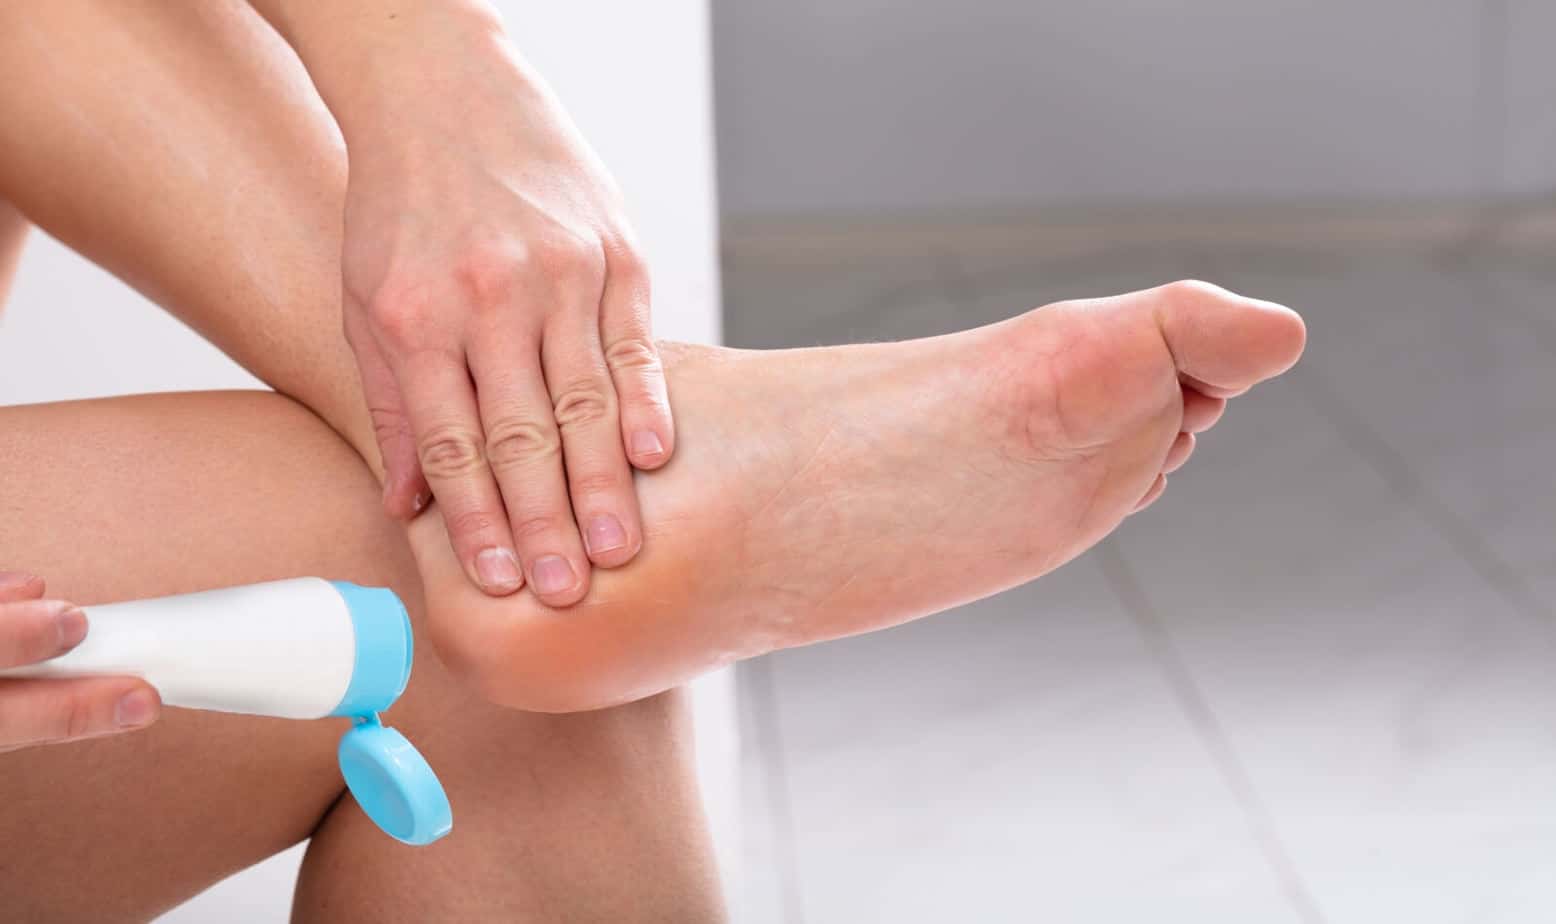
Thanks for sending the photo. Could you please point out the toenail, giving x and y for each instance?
(553, 574)
(646, 444)
(605, 534)
(497, 568)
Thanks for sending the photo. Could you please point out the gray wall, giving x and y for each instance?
(868, 106)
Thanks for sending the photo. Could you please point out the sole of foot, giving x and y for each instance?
(819, 493)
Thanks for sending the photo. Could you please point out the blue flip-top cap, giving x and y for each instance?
(393, 784)
(387, 776)
(385, 649)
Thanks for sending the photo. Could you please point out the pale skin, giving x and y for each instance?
(815, 493)
(591, 817)
(495, 300)
(588, 817)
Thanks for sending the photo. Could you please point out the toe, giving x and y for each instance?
(1182, 448)
(1200, 411)
(1222, 340)
(1155, 491)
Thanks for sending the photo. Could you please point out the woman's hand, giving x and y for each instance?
(494, 297)
(40, 711)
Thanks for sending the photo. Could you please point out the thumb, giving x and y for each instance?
(405, 488)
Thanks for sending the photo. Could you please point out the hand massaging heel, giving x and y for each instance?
(304, 648)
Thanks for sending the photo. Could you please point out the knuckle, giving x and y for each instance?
(389, 423)
(632, 354)
(74, 719)
(470, 522)
(570, 259)
(595, 483)
(626, 264)
(449, 452)
(489, 274)
(582, 404)
(400, 312)
(519, 442)
(536, 527)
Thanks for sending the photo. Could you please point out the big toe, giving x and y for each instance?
(1224, 342)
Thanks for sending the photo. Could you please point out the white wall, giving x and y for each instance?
(640, 89)
(872, 105)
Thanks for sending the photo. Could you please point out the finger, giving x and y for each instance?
(405, 490)
(599, 477)
(1179, 453)
(40, 710)
(526, 456)
(37, 630)
(19, 585)
(647, 427)
(441, 406)
(1200, 411)
(1152, 493)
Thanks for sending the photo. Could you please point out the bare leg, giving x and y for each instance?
(587, 817)
(182, 147)
(814, 494)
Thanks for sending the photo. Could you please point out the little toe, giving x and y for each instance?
(1151, 494)
(1182, 448)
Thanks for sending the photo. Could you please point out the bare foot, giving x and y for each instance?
(826, 492)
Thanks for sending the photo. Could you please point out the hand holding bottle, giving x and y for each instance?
(39, 710)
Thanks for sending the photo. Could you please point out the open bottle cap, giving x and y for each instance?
(389, 778)
(393, 784)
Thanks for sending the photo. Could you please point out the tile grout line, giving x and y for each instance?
(780, 804)
(1197, 709)
(1504, 581)
(1366, 441)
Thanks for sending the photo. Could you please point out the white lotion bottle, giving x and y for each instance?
(303, 648)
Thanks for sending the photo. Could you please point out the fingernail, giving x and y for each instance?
(604, 534)
(134, 709)
(646, 443)
(553, 575)
(71, 623)
(497, 568)
(419, 502)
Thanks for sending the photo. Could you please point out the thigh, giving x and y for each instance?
(588, 817)
(182, 147)
(127, 498)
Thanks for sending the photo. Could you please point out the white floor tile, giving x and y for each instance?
(1391, 707)
(1019, 760)
(1333, 570)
